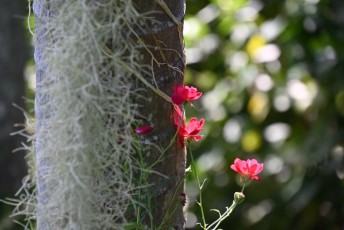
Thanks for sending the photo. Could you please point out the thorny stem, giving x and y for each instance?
(200, 190)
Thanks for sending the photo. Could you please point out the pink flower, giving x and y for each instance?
(144, 129)
(190, 131)
(249, 168)
(184, 93)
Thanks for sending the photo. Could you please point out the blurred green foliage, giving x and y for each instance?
(271, 73)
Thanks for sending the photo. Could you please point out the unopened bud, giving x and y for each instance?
(239, 197)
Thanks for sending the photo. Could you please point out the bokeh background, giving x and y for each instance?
(271, 73)
(273, 83)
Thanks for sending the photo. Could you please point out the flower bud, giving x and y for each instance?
(239, 197)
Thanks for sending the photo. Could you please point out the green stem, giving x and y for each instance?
(164, 151)
(200, 189)
(243, 187)
(223, 216)
(238, 198)
(142, 179)
(167, 214)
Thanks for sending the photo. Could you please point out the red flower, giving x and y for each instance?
(191, 131)
(184, 93)
(249, 168)
(144, 129)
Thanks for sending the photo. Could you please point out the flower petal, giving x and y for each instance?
(184, 93)
(144, 129)
(250, 167)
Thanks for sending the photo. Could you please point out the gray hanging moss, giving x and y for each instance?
(91, 83)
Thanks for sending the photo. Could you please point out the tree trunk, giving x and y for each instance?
(103, 66)
(13, 56)
(164, 37)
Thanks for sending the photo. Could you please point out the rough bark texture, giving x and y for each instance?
(165, 41)
(13, 56)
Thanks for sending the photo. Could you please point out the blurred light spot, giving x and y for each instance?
(193, 55)
(238, 61)
(292, 187)
(212, 100)
(247, 14)
(277, 132)
(302, 93)
(271, 29)
(258, 106)
(248, 75)
(225, 5)
(204, 47)
(240, 33)
(339, 102)
(218, 114)
(191, 220)
(209, 43)
(282, 103)
(192, 191)
(212, 160)
(329, 53)
(257, 212)
(264, 82)
(310, 8)
(297, 90)
(267, 53)
(30, 76)
(303, 198)
(257, 4)
(284, 175)
(312, 87)
(309, 24)
(312, 1)
(297, 72)
(232, 130)
(340, 173)
(193, 28)
(254, 43)
(251, 141)
(325, 208)
(292, 7)
(337, 153)
(208, 13)
(274, 66)
(273, 164)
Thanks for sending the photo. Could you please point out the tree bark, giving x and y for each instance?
(167, 48)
